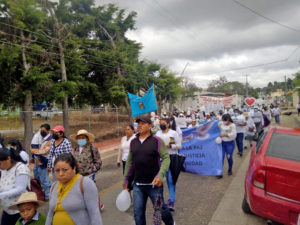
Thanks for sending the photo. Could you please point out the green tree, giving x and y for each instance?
(28, 73)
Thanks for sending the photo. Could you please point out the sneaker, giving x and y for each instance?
(171, 206)
(241, 154)
(245, 147)
(229, 172)
(101, 205)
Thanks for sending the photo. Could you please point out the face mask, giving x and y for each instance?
(225, 122)
(81, 142)
(255, 110)
(55, 136)
(163, 127)
(236, 114)
(43, 133)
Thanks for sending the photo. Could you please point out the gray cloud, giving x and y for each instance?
(217, 35)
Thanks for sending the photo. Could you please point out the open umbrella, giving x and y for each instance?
(176, 166)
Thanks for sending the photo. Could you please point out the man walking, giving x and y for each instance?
(40, 156)
(240, 123)
(276, 113)
(149, 159)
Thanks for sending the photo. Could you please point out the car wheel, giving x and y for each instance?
(246, 207)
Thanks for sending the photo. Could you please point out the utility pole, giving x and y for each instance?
(246, 86)
(286, 97)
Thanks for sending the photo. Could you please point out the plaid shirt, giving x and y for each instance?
(64, 147)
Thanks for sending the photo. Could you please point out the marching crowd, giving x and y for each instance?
(148, 153)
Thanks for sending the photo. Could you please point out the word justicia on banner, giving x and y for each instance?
(203, 154)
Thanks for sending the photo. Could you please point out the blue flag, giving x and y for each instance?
(141, 105)
(203, 154)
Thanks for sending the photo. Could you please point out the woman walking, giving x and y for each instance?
(74, 198)
(59, 145)
(124, 151)
(87, 155)
(125, 146)
(15, 177)
(173, 143)
(228, 135)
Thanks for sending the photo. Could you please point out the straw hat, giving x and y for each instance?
(26, 198)
(83, 132)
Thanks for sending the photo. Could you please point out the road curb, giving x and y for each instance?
(229, 210)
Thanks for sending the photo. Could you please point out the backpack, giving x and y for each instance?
(36, 187)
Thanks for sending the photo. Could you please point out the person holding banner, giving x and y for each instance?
(228, 135)
(173, 143)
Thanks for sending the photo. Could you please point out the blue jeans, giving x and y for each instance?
(53, 175)
(227, 149)
(140, 196)
(239, 141)
(171, 186)
(277, 119)
(42, 175)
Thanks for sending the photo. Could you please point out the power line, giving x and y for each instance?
(253, 66)
(265, 17)
(53, 53)
(46, 36)
(46, 44)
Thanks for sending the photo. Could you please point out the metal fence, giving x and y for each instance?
(104, 123)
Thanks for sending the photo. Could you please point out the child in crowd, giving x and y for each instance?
(27, 205)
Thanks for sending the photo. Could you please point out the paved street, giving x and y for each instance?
(200, 199)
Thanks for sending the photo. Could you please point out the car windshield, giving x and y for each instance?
(284, 146)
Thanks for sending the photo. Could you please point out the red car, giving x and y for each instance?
(272, 182)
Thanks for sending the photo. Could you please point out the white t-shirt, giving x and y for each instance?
(267, 114)
(8, 182)
(228, 129)
(24, 155)
(276, 111)
(250, 125)
(172, 138)
(125, 146)
(238, 121)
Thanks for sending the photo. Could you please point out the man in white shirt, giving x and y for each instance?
(276, 113)
(240, 123)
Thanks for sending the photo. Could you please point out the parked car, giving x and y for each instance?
(47, 113)
(272, 182)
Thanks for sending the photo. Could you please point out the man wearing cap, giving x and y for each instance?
(149, 159)
(59, 145)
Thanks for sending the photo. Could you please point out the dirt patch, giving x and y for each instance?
(104, 126)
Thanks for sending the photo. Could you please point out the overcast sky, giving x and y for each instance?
(215, 36)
